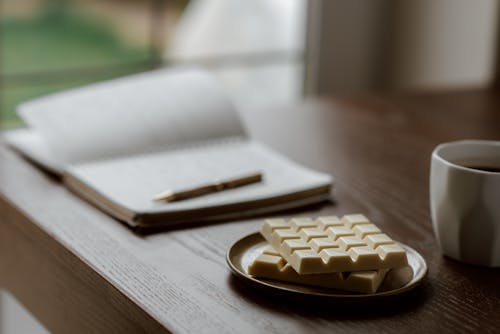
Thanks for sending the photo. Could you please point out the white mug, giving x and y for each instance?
(465, 200)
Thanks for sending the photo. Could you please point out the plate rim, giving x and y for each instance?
(413, 283)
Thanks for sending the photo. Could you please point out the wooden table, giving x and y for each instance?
(80, 271)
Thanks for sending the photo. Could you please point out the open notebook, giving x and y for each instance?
(120, 142)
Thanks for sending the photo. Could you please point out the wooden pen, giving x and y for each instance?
(182, 194)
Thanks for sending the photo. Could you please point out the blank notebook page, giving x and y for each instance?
(140, 113)
(132, 182)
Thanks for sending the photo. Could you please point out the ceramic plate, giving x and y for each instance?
(246, 249)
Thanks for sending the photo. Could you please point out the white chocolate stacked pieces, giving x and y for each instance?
(270, 264)
(349, 253)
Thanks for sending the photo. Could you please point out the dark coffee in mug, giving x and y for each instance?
(485, 169)
(485, 164)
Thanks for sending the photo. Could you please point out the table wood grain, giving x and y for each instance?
(80, 271)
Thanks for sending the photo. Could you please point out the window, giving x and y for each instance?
(255, 47)
(50, 45)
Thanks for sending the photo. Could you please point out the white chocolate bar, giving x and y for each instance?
(270, 264)
(328, 244)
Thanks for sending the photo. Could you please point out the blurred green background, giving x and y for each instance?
(51, 45)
